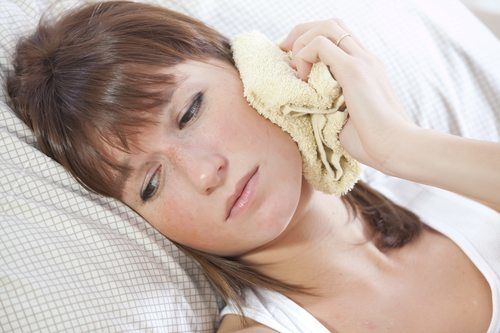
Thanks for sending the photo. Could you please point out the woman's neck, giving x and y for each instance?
(320, 246)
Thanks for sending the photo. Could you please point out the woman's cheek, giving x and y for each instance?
(190, 231)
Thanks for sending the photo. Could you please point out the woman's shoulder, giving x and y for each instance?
(255, 310)
(232, 323)
(273, 311)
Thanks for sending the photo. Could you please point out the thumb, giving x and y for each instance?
(348, 136)
(351, 143)
(349, 139)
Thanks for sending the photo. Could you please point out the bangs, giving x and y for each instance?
(94, 80)
(135, 101)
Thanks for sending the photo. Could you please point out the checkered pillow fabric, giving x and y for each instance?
(74, 261)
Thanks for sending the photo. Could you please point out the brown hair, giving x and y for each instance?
(89, 78)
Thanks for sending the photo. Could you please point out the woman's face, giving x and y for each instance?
(190, 170)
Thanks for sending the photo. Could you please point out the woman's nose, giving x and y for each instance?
(205, 169)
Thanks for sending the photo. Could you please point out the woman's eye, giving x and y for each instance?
(152, 186)
(193, 110)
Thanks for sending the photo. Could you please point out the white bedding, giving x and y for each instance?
(74, 261)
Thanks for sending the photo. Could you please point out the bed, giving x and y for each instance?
(71, 260)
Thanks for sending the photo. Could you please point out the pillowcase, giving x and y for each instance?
(75, 261)
(72, 260)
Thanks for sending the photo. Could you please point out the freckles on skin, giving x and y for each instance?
(184, 232)
(171, 227)
(189, 229)
(185, 228)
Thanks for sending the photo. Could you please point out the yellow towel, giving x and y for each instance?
(307, 111)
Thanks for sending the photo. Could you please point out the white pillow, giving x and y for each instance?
(74, 261)
(71, 260)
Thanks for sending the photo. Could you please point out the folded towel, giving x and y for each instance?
(307, 111)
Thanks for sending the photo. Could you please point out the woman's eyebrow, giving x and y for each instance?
(131, 174)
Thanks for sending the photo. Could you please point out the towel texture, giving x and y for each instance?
(307, 111)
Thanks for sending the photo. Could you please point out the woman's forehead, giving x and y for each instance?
(190, 68)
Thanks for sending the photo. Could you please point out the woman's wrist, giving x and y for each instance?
(393, 162)
(398, 164)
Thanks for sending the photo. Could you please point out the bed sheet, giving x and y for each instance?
(74, 261)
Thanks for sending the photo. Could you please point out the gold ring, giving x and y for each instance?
(340, 39)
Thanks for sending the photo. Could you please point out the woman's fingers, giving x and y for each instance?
(330, 35)
(298, 30)
(332, 31)
(322, 49)
(348, 30)
(333, 28)
(376, 120)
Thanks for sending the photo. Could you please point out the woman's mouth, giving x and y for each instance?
(244, 200)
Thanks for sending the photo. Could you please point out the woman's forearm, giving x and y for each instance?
(465, 166)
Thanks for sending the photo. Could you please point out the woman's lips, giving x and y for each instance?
(244, 193)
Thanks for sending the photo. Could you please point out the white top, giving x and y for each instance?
(475, 228)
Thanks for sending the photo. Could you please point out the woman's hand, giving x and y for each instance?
(378, 133)
(376, 124)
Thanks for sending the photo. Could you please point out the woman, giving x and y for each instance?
(145, 105)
